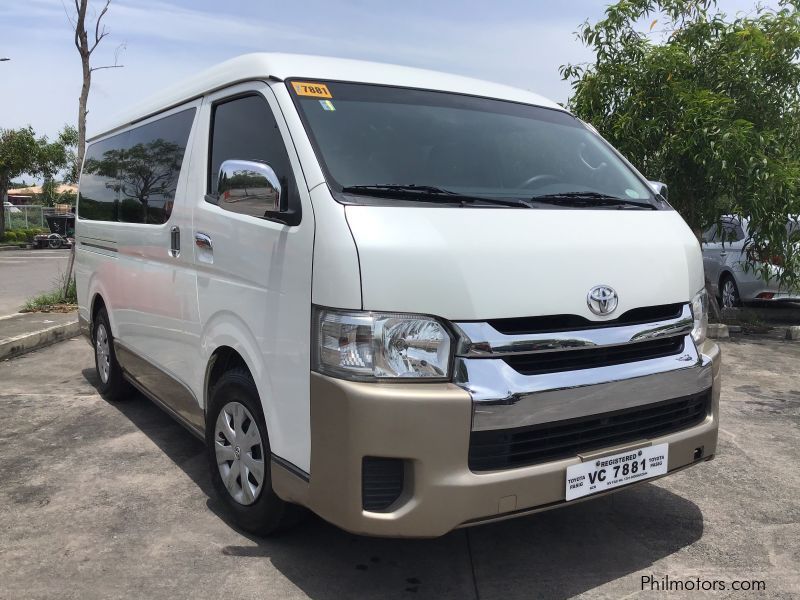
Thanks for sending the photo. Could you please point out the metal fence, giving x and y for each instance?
(27, 217)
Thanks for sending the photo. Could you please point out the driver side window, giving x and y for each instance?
(245, 129)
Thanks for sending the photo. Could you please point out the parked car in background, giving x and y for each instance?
(10, 207)
(724, 259)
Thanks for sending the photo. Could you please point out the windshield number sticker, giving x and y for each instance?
(315, 90)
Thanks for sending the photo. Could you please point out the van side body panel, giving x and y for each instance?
(155, 307)
(254, 292)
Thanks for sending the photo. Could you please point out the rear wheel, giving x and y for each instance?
(239, 456)
(112, 383)
(729, 293)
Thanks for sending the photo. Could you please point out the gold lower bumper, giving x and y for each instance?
(428, 425)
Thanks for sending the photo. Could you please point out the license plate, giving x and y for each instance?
(602, 474)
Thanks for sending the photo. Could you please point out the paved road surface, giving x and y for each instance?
(26, 273)
(101, 500)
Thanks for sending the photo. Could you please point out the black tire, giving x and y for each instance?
(725, 300)
(111, 384)
(268, 513)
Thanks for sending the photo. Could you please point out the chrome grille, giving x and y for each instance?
(590, 358)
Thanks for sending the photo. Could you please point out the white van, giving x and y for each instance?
(406, 300)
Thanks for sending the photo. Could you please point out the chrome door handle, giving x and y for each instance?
(175, 242)
(201, 240)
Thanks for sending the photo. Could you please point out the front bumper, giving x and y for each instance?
(428, 425)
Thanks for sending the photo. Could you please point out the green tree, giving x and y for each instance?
(707, 103)
(22, 152)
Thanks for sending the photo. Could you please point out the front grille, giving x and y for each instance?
(588, 358)
(509, 448)
(555, 323)
(381, 482)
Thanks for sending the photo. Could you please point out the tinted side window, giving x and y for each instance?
(245, 129)
(151, 163)
(99, 187)
(732, 232)
(132, 177)
(710, 234)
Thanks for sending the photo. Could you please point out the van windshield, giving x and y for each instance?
(406, 144)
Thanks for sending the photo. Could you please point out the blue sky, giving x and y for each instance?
(516, 42)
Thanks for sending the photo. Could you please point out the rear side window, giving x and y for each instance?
(245, 129)
(97, 200)
(732, 232)
(138, 171)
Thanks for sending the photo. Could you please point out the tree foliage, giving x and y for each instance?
(22, 152)
(712, 108)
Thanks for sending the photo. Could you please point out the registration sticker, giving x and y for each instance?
(327, 105)
(602, 474)
(315, 90)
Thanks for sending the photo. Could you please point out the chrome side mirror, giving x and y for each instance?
(247, 187)
(659, 188)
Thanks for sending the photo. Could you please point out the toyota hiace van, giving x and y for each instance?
(406, 300)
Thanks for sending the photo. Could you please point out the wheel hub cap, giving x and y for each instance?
(102, 353)
(239, 452)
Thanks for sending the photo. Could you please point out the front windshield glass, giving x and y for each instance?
(370, 135)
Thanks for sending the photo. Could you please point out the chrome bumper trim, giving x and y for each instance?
(503, 398)
(480, 339)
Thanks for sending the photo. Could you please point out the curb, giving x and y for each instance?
(11, 248)
(718, 331)
(28, 342)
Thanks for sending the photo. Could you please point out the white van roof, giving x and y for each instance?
(265, 65)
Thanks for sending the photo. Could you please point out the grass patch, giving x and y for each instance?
(55, 301)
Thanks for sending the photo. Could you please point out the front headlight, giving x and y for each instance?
(700, 315)
(367, 346)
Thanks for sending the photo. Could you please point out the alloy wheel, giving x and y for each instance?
(730, 297)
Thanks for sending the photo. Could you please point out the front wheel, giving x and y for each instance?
(239, 456)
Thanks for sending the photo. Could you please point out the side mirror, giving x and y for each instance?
(247, 187)
(659, 188)
(251, 187)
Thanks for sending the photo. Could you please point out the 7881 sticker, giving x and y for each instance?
(315, 90)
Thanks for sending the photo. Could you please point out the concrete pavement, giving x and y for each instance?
(102, 500)
(23, 332)
(26, 273)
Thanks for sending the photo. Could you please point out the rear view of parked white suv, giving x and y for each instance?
(725, 263)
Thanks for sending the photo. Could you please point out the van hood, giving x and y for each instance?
(492, 263)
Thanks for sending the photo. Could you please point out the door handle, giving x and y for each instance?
(201, 240)
(174, 242)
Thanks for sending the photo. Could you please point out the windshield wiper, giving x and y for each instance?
(429, 193)
(589, 199)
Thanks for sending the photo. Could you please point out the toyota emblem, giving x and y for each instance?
(602, 300)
